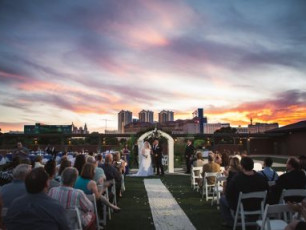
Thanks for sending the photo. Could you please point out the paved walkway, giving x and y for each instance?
(166, 212)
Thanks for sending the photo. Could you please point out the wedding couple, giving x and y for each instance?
(146, 154)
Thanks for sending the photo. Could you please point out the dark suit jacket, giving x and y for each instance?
(157, 150)
(294, 179)
(189, 151)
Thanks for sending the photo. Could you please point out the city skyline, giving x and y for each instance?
(74, 61)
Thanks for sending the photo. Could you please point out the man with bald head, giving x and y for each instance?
(111, 172)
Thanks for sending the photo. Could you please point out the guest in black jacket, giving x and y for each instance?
(189, 151)
(294, 179)
(245, 181)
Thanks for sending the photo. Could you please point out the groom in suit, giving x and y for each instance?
(157, 153)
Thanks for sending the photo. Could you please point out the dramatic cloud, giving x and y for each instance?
(83, 61)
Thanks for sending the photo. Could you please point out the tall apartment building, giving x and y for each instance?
(124, 118)
(146, 116)
(165, 116)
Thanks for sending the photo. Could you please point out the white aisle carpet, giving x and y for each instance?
(167, 214)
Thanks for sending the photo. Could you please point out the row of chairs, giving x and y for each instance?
(265, 222)
(211, 191)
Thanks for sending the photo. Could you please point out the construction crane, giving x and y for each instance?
(105, 127)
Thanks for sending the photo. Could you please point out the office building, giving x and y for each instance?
(124, 118)
(165, 116)
(146, 116)
(199, 113)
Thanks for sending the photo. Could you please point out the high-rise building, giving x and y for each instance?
(165, 116)
(146, 116)
(199, 113)
(124, 118)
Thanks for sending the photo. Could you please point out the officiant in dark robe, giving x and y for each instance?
(158, 154)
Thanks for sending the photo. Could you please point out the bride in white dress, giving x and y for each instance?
(145, 166)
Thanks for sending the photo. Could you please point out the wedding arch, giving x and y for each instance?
(156, 133)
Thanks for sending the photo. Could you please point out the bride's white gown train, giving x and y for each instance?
(145, 166)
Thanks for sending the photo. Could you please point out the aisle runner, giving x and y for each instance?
(166, 212)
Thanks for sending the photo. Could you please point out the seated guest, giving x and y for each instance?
(36, 210)
(50, 168)
(302, 160)
(268, 172)
(293, 179)
(210, 167)
(86, 183)
(245, 181)
(120, 165)
(16, 188)
(99, 172)
(199, 162)
(218, 159)
(225, 159)
(111, 172)
(64, 164)
(71, 198)
(99, 159)
(233, 169)
(21, 151)
(6, 175)
(38, 162)
(79, 162)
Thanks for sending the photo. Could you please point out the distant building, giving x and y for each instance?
(137, 127)
(80, 130)
(165, 116)
(242, 130)
(124, 118)
(211, 128)
(190, 126)
(261, 127)
(199, 113)
(111, 131)
(146, 116)
(39, 128)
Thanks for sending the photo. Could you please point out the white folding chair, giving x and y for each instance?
(218, 189)
(292, 192)
(104, 218)
(279, 223)
(74, 219)
(194, 171)
(208, 187)
(108, 208)
(92, 198)
(241, 213)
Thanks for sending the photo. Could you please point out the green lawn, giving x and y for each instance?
(136, 212)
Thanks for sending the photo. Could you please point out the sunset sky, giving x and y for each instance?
(64, 61)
